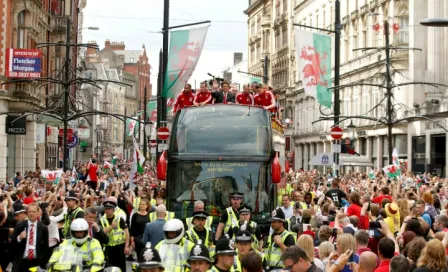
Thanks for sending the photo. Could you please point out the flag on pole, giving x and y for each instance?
(151, 109)
(51, 176)
(395, 157)
(137, 164)
(313, 54)
(114, 160)
(184, 53)
(130, 125)
(74, 174)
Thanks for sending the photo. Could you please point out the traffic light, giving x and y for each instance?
(348, 147)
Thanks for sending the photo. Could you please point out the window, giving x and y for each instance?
(285, 6)
(21, 38)
(252, 55)
(277, 40)
(258, 51)
(284, 36)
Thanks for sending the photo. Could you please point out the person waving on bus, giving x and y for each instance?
(245, 98)
(265, 98)
(204, 96)
(184, 99)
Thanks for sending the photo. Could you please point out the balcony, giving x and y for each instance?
(26, 96)
(59, 23)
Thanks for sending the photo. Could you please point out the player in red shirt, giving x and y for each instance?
(184, 99)
(204, 96)
(245, 98)
(265, 98)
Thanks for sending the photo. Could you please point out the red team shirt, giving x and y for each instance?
(265, 99)
(201, 97)
(183, 100)
(244, 99)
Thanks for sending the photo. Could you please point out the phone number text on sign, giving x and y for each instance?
(24, 74)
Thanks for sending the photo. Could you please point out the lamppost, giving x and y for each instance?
(351, 129)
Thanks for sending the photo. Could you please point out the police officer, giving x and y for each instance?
(148, 261)
(199, 206)
(89, 248)
(117, 229)
(248, 225)
(244, 241)
(74, 212)
(199, 230)
(278, 241)
(224, 256)
(175, 248)
(199, 260)
(229, 217)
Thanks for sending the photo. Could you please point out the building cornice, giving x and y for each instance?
(253, 6)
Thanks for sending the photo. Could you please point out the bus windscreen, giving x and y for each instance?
(213, 181)
(222, 130)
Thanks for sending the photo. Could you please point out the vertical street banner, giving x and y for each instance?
(314, 65)
(137, 162)
(184, 53)
(130, 125)
(151, 111)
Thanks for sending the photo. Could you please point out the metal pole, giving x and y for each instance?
(145, 117)
(66, 94)
(389, 92)
(166, 25)
(124, 134)
(337, 62)
(265, 70)
(159, 99)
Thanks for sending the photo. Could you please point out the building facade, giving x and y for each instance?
(421, 144)
(24, 24)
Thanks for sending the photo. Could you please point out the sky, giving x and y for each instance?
(138, 21)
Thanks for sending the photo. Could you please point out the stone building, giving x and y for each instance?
(421, 144)
(24, 24)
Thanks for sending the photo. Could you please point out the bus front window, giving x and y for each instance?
(213, 181)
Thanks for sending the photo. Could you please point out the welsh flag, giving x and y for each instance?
(314, 65)
(74, 176)
(107, 166)
(114, 160)
(130, 125)
(52, 176)
(137, 163)
(151, 109)
(372, 174)
(392, 171)
(184, 53)
(395, 157)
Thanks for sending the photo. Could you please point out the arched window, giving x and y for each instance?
(21, 38)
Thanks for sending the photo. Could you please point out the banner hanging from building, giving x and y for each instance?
(184, 53)
(314, 65)
(151, 110)
(23, 63)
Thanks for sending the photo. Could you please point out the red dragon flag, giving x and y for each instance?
(184, 53)
(52, 176)
(314, 65)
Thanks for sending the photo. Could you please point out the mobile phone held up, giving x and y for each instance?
(374, 228)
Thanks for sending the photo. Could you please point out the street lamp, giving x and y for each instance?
(351, 129)
(435, 22)
(148, 128)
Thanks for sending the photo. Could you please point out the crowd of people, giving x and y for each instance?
(353, 223)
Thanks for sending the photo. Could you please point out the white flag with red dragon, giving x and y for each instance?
(314, 65)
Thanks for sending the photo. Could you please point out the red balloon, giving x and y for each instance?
(276, 170)
(161, 167)
(286, 166)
